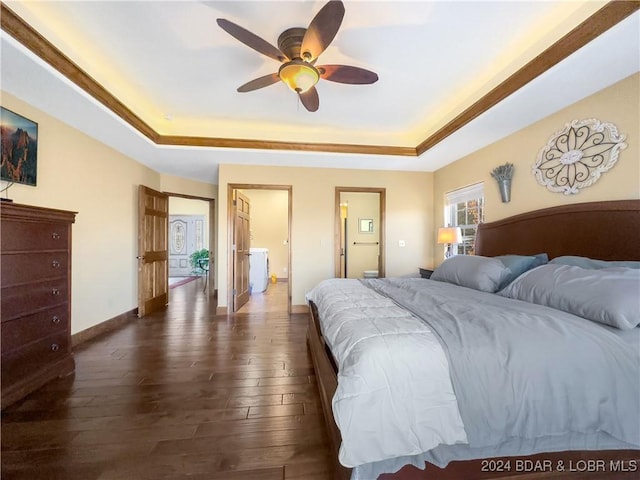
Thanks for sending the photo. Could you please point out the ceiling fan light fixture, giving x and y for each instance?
(299, 49)
(299, 75)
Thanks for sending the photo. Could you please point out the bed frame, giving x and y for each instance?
(583, 229)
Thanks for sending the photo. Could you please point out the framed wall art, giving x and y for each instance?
(19, 161)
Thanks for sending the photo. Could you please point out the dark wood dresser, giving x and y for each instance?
(35, 299)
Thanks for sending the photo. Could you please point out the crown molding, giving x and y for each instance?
(277, 145)
(605, 18)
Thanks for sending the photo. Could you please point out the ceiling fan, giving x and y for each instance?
(298, 49)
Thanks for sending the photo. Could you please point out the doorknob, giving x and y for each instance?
(140, 257)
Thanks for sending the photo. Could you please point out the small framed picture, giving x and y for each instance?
(365, 225)
(19, 148)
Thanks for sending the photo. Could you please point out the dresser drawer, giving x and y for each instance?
(25, 330)
(20, 236)
(23, 362)
(23, 300)
(35, 298)
(21, 268)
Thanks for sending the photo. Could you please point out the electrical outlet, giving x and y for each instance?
(401, 243)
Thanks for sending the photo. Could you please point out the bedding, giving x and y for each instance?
(487, 274)
(481, 273)
(516, 389)
(585, 262)
(392, 376)
(518, 264)
(607, 295)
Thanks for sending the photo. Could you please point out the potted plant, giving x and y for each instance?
(197, 260)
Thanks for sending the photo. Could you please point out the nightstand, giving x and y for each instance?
(425, 273)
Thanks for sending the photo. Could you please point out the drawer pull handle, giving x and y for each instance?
(55, 319)
(55, 235)
(55, 264)
(55, 347)
(55, 291)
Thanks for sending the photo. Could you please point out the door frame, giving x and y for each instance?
(213, 244)
(383, 202)
(254, 186)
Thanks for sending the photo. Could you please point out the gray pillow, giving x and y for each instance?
(518, 264)
(608, 295)
(472, 271)
(585, 262)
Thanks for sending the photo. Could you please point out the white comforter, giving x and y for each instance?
(385, 406)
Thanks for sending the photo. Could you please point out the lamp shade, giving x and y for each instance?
(449, 235)
(299, 75)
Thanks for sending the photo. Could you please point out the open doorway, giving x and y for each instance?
(259, 226)
(360, 227)
(190, 241)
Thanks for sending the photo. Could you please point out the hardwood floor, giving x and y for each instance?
(274, 299)
(183, 394)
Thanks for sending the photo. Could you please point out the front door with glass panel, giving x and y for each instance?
(186, 235)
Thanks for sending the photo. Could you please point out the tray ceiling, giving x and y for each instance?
(171, 73)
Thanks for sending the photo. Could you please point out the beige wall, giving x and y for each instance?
(408, 217)
(270, 227)
(185, 186)
(617, 104)
(78, 173)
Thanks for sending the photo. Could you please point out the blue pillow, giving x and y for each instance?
(518, 264)
(590, 263)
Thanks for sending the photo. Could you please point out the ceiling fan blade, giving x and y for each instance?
(322, 30)
(310, 99)
(260, 82)
(251, 40)
(347, 74)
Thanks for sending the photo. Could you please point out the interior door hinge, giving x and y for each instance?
(233, 292)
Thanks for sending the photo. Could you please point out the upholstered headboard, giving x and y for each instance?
(603, 230)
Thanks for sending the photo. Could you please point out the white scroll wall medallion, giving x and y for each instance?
(577, 155)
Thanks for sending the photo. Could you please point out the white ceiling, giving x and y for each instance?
(177, 70)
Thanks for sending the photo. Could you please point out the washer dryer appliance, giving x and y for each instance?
(258, 269)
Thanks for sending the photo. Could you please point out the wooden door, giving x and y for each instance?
(242, 243)
(153, 285)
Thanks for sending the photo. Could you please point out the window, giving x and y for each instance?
(465, 209)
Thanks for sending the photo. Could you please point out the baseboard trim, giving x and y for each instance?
(103, 327)
(221, 310)
(299, 308)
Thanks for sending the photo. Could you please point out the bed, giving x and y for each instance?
(508, 428)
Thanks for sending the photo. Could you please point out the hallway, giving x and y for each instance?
(176, 395)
